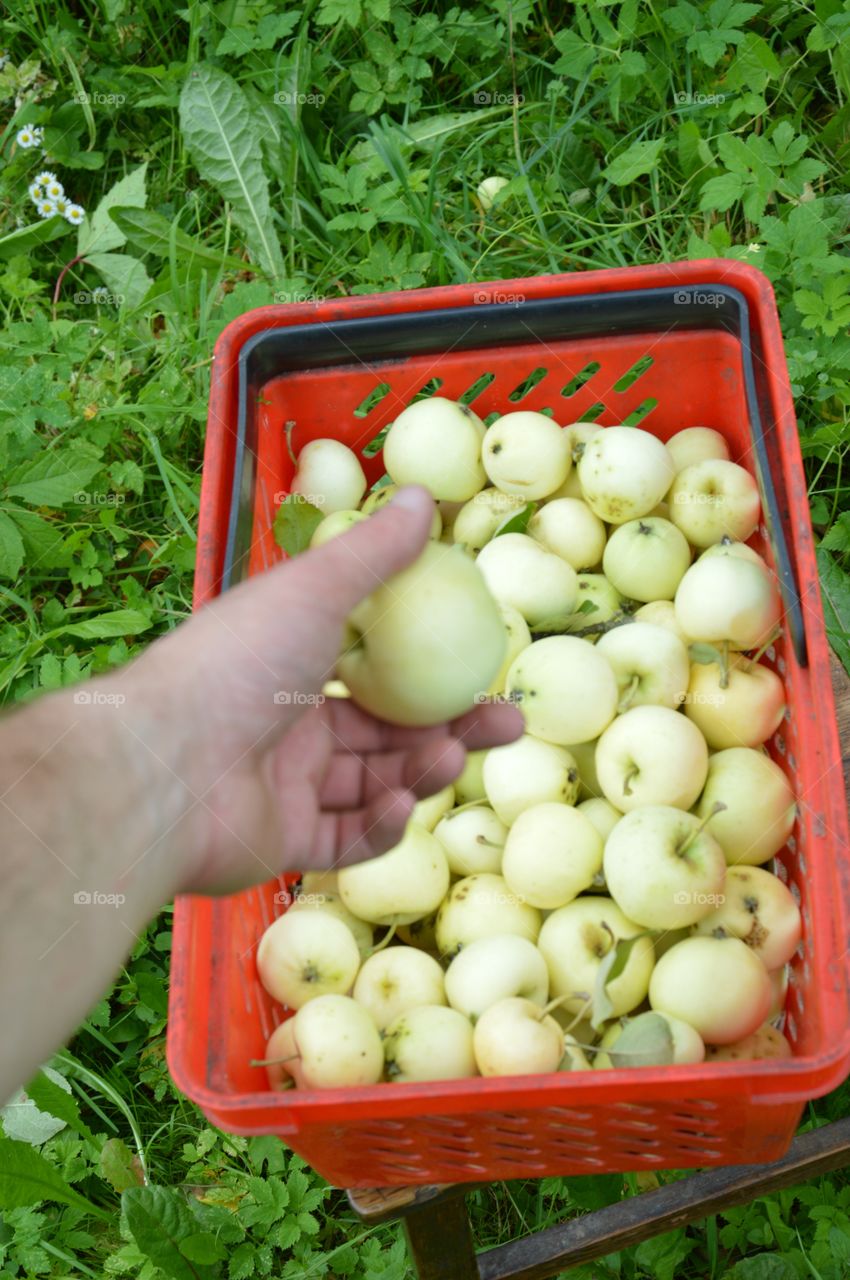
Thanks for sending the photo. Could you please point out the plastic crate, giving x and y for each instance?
(647, 345)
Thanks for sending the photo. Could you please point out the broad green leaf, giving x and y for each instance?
(636, 160)
(202, 1248)
(119, 1166)
(27, 1178)
(99, 234)
(517, 523)
(703, 653)
(27, 1119)
(26, 238)
(149, 232)
(125, 277)
(121, 622)
(644, 1041)
(43, 541)
(53, 477)
(57, 1100)
(11, 547)
(295, 523)
(220, 133)
(159, 1220)
(835, 592)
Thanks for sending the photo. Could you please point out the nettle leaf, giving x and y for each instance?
(99, 233)
(27, 1178)
(159, 1221)
(577, 55)
(53, 477)
(636, 160)
(220, 133)
(295, 522)
(517, 523)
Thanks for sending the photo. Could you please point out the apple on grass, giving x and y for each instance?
(526, 454)
(402, 885)
(624, 473)
(515, 1037)
(482, 906)
(568, 528)
(552, 854)
(663, 869)
(306, 954)
(419, 649)
(397, 979)
(565, 688)
(473, 840)
(646, 559)
(492, 969)
(718, 985)
(574, 941)
(759, 807)
(331, 1043)
(329, 475)
(528, 772)
(651, 756)
(714, 499)
(521, 573)
(437, 443)
(738, 703)
(650, 663)
(430, 1042)
(760, 910)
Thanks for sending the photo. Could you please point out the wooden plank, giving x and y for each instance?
(386, 1204)
(440, 1242)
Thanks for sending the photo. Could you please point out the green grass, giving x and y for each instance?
(630, 133)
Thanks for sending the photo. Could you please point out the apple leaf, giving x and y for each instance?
(609, 970)
(644, 1041)
(517, 523)
(704, 654)
(295, 523)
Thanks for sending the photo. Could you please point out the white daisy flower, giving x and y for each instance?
(46, 208)
(62, 204)
(54, 189)
(38, 134)
(26, 138)
(75, 214)
(44, 177)
(36, 192)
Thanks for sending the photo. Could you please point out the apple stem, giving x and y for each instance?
(553, 1004)
(759, 654)
(716, 808)
(385, 941)
(724, 665)
(626, 700)
(627, 781)
(274, 1062)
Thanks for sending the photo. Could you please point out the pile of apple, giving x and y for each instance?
(595, 894)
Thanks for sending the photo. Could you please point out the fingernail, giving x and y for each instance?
(411, 498)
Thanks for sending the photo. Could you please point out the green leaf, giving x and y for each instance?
(202, 1248)
(295, 523)
(125, 277)
(57, 1101)
(119, 1166)
(517, 523)
(644, 1041)
(26, 238)
(121, 622)
(53, 477)
(99, 233)
(149, 232)
(835, 593)
(220, 133)
(612, 965)
(639, 158)
(11, 548)
(24, 1120)
(704, 653)
(595, 1191)
(27, 1178)
(159, 1221)
(43, 541)
(577, 56)
(763, 1266)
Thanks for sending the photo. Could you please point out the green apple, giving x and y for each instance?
(519, 638)
(651, 755)
(760, 910)
(646, 559)
(717, 985)
(696, 444)
(514, 1038)
(492, 969)
(576, 939)
(552, 854)
(648, 1040)
(758, 805)
(478, 519)
(420, 648)
(482, 906)
(522, 574)
(488, 189)
(420, 934)
(624, 473)
(779, 991)
(332, 904)
(473, 840)
(428, 812)
(335, 1042)
(329, 476)
(741, 707)
(663, 869)
(714, 499)
(315, 882)
(765, 1042)
(650, 663)
(602, 814)
(385, 493)
(403, 885)
(597, 603)
(568, 527)
(335, 524)
(470, 785)
(565, 688)
(397, 979)
(661, 613)
(528, 772)
(305, 954)
(731, 547)
(437, 443)
(282, 1059)
(526, 454)
(580, 433)
(584, 754)
(725, 599)
(430, 1042)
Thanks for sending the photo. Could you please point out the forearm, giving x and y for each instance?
(90, 825)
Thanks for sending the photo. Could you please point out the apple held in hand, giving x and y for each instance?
(552, 854)
(420, 648)
(522, 574)
(478, 519)
(742, 707)
(397, 979)
(759, 805)
(492, 969)
(663, 869)
(650, 663)
(568, 528)
(437, 443)
(400, 886)
(715, 499)
(646, 559)
(431, 1042)
(651, 755)
(428, 812)
(565, 689)
(305, 954)
(329, 475)
(574, 941)
(526, 454)
(528, 772)
(717, 985)
(760, 910)
(696, 444)
(515, 1038)
(480, 907)
(728, 599)
(624, 473)
(473, 840)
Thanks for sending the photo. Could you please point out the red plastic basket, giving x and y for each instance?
(471, 1130)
